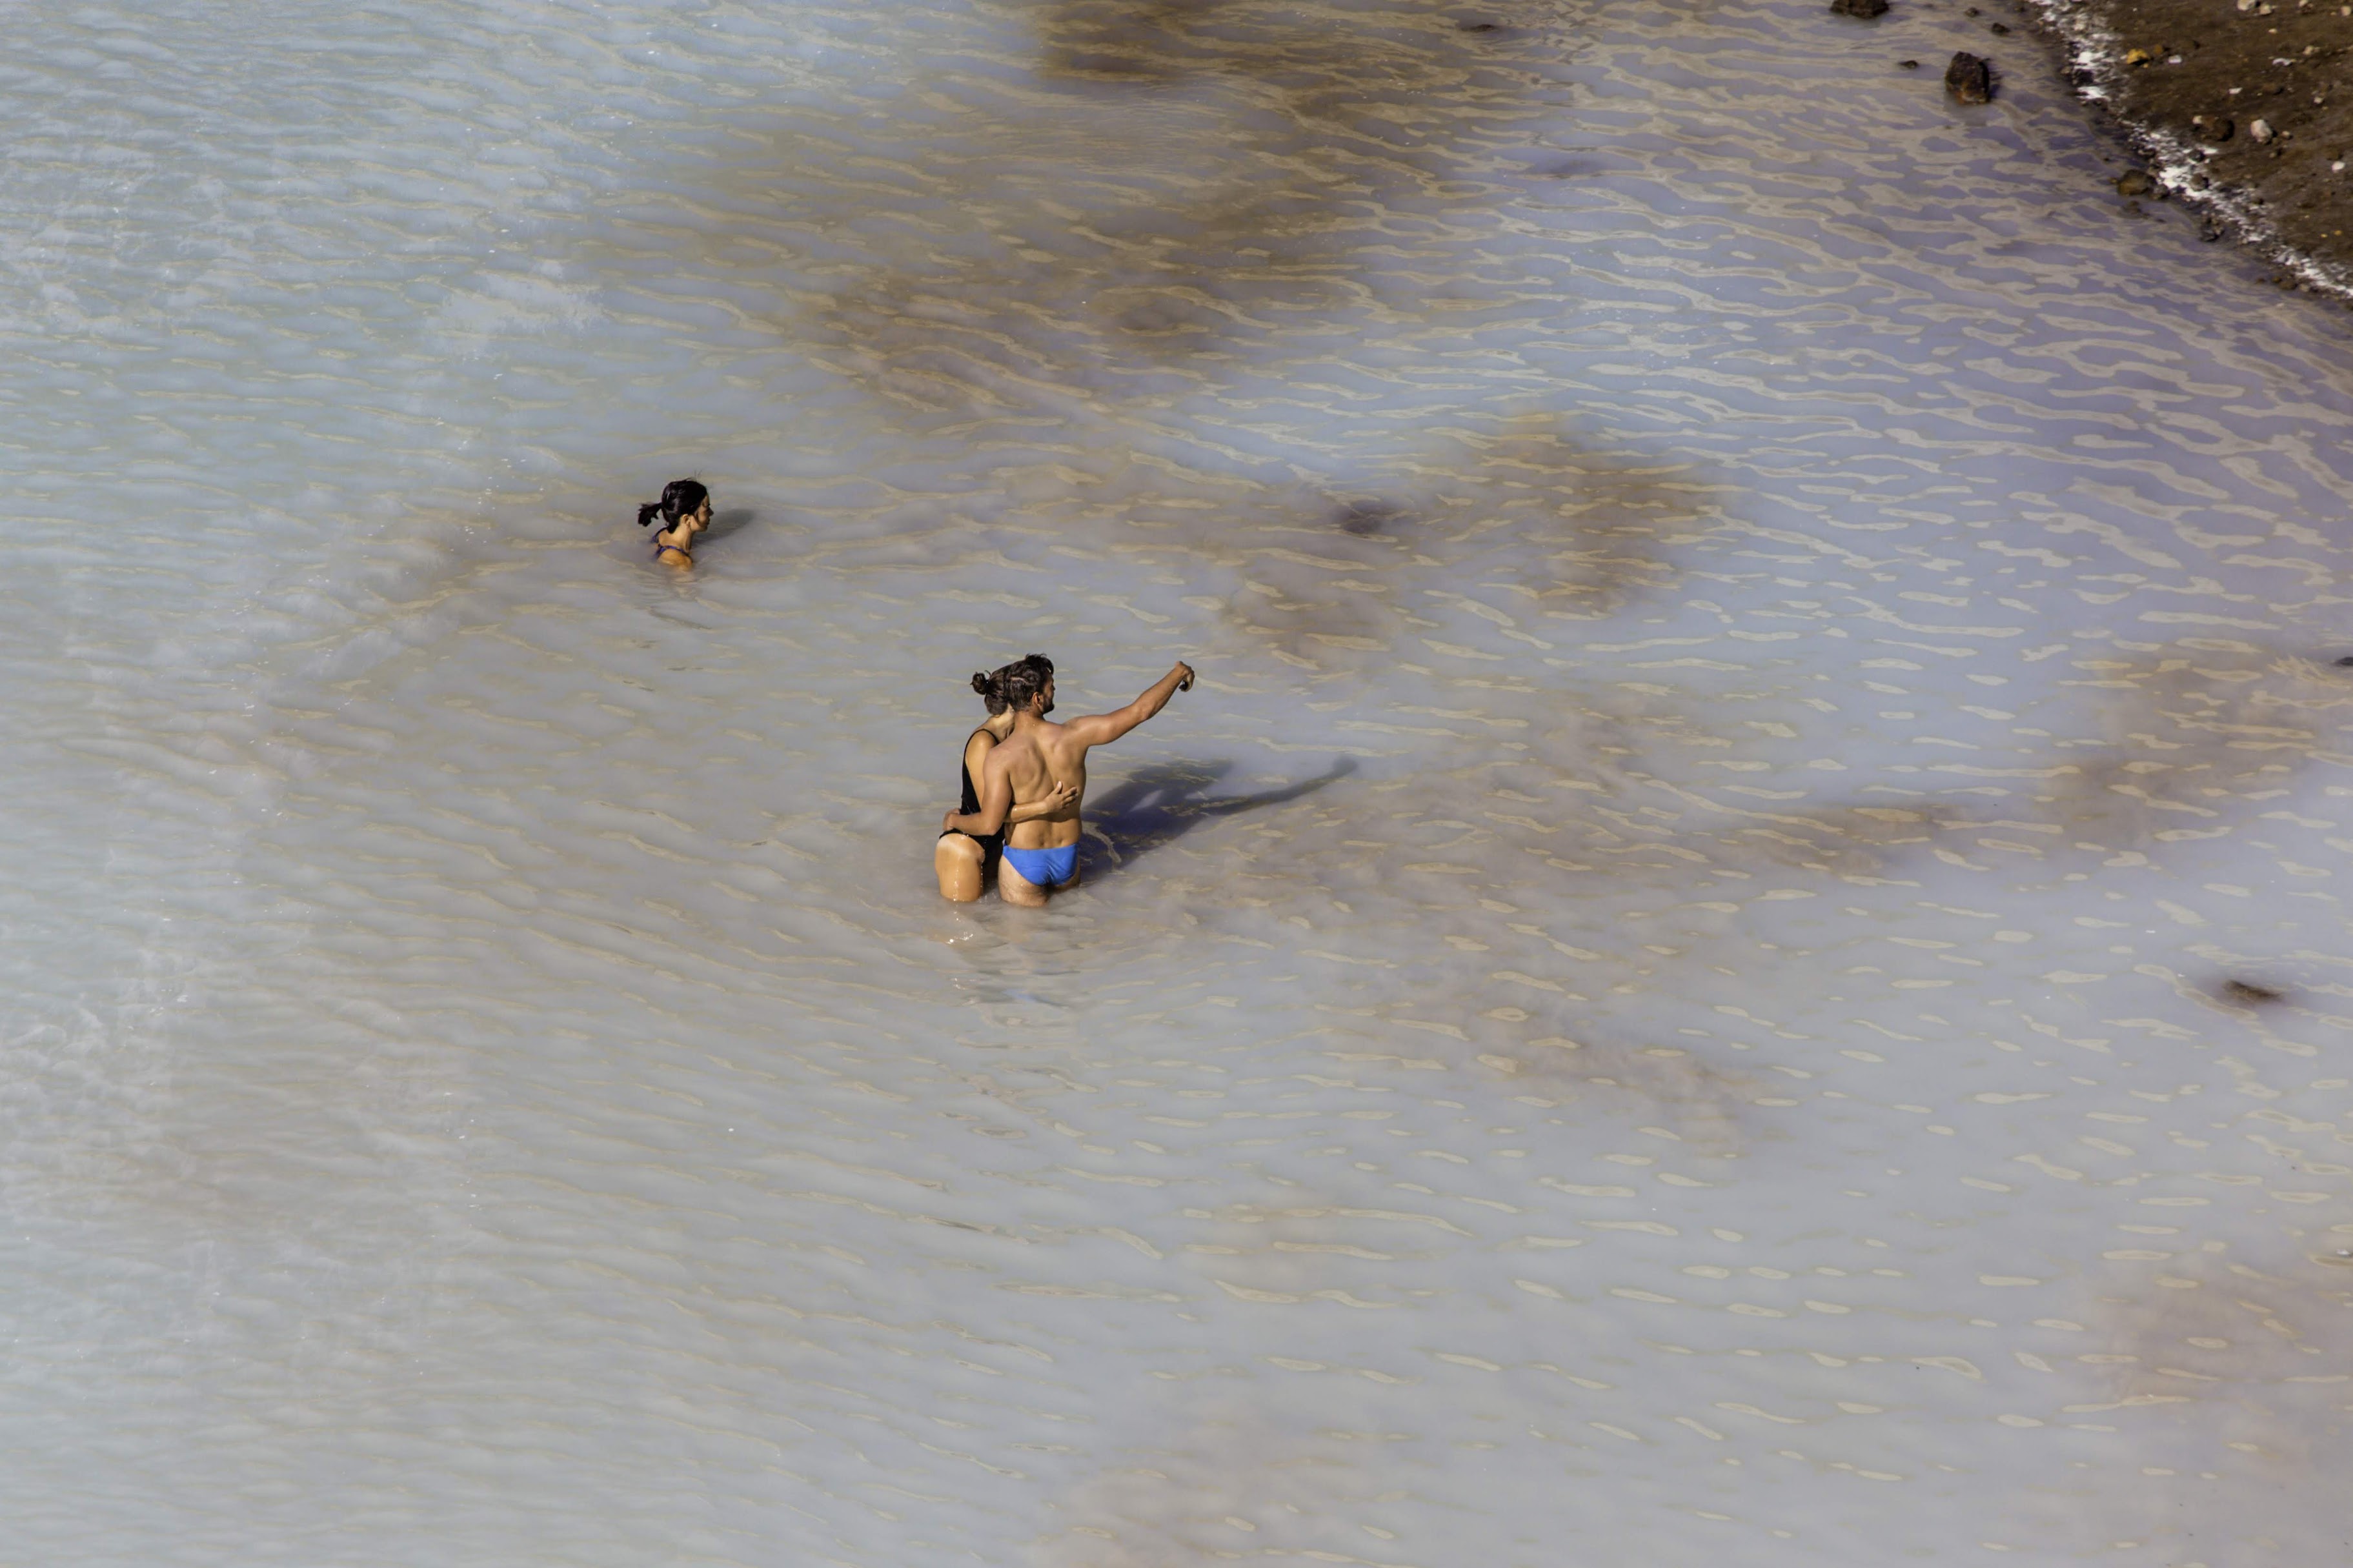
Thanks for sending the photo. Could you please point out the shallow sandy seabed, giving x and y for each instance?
(1739, 957)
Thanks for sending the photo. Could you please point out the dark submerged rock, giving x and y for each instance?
(1970, 78)
(1863, 10)
(1367, 519)
(2132, 183)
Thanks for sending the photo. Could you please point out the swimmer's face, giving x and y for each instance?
(699, 519)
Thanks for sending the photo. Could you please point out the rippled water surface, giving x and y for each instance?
(1739, 957)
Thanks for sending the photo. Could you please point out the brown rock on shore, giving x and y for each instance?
(2247, 109)
(1969, 79)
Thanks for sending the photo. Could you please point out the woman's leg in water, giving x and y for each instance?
(958, 860)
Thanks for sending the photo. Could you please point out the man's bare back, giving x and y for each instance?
(1030, 764)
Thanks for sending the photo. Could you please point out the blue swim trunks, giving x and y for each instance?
(1044, 867)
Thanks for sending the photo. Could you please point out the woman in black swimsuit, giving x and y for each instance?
(684, 511)
(965, 863)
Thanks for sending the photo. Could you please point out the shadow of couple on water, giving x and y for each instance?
(1159, 804)
(1150, 807)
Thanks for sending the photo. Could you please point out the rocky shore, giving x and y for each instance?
(2243, 108)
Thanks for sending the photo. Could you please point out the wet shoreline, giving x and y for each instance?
(2232, 109)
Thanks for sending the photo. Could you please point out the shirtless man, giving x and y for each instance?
(1035, 760)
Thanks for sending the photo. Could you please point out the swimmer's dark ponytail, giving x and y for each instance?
(678, 498)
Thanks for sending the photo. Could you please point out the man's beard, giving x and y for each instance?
(1045, 708)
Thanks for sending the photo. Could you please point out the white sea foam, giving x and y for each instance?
(1767, 664)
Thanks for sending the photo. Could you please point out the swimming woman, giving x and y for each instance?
(685, 510)
(963, 861)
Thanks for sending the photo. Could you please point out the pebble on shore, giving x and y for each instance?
(2246, 105)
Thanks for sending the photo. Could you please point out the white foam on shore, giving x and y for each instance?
(2097, 58)
(1740, 953)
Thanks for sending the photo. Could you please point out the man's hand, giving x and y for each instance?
(1102, 728)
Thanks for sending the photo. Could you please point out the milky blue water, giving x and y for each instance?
(1740, 956)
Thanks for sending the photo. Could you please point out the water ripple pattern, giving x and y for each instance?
(1740, 955)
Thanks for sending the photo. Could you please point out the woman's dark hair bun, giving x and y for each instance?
(678, 498)
(980, 684)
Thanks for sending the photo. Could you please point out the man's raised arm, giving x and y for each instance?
(1100, 729)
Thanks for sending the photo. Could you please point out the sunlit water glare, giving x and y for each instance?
(1739, 957)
